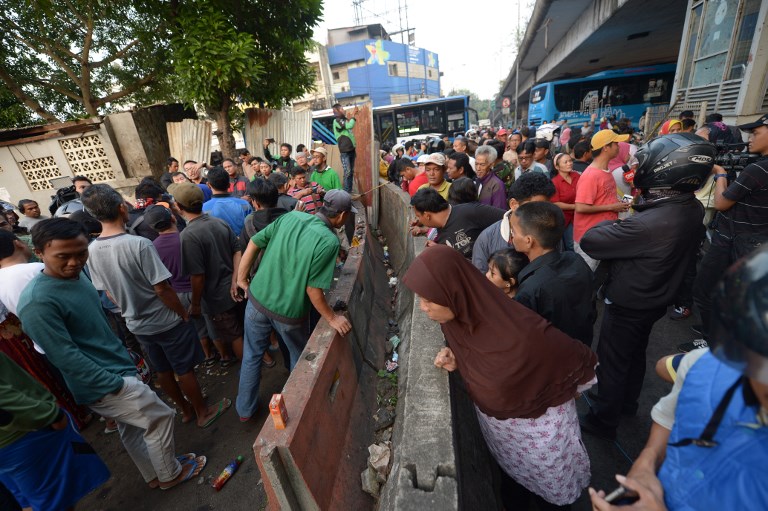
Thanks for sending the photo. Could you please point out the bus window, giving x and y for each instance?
(569, 96)
(386, 128)
(538, 95)
(432, 119)
(408, 122)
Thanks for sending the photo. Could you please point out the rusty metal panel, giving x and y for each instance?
(189, 139)
(284, 126)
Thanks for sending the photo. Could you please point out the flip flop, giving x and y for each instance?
(197, 463)
(271, 364)
(224, 405)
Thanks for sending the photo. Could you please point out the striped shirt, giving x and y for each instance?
(750, 213)
(311, 201)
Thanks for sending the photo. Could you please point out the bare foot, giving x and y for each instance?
(213, 413)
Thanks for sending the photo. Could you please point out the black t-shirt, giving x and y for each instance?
(464, 225)
(580, 166)
(750, 213)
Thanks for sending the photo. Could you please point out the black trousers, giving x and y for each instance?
(621, 352)
(516, 497)
(715, 262)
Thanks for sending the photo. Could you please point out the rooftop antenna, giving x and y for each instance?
(358, 6)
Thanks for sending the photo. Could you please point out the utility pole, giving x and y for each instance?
(358, 6)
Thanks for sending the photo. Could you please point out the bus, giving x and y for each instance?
(618, 92)
(405, 121)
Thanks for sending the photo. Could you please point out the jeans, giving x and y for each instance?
(255, 342)
(348, 164)
(623, 341)
(568, 238)
(145, 424)
(715, 261)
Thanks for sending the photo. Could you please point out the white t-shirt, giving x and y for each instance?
(13, 280)
(663, 413)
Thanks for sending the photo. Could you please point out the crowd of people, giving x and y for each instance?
(529, 234)
(626, 230)
(111, 299)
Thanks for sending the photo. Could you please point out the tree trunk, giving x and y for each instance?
(224, 128)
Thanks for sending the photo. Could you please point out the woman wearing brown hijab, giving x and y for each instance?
(521, 372)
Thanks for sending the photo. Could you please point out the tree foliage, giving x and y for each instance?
(248, 52)
(69, 58)
(483, 106)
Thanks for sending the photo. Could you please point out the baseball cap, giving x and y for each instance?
(501, 132)
(320, 150)
(436, 158)
(604, 137)
(762, 121)
(422, 159)
(187, 194)
(338, 201)
(158, 217)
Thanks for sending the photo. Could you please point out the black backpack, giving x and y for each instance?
(63, 195)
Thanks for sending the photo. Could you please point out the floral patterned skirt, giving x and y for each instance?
(545, 454)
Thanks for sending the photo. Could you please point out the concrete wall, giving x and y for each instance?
(315, 463)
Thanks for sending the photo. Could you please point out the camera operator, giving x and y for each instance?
(741, 219)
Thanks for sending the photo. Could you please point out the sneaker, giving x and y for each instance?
(695, 344)
(679, 313)
(698, 329)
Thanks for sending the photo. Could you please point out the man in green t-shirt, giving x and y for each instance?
(280, 299)
(324, 175)
(345, 139)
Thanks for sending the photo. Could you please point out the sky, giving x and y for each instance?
(475, 45)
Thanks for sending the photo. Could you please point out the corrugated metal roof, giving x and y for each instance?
(189, 139)
(282, 125)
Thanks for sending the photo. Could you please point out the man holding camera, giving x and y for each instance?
(741, 221)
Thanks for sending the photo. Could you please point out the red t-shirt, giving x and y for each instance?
(566, 193)
(596, 188)
(417, 182)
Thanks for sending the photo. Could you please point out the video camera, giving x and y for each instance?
(732, 158)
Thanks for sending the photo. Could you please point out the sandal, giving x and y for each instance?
(210, 361)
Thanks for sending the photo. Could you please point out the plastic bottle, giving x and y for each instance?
(230, 469)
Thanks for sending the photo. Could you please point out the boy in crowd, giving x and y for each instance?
(210, 255)
(308, 192)
(582, 156)
(236, 183)
(531, 187)
(223, 205)
(557, 285)
(30, 211)
(128, 268)
(324, 175)
(284, 200)
(93, 362)
(284, 160)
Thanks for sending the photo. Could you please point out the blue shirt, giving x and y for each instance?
(230, 209)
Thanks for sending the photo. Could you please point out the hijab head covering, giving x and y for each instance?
(565, 136)
(668, 124)
(622, 158)
(514, 363)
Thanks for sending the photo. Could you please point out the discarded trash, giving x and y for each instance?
(355, 242)
(393, 282)
(395, 357)
(395, 340)
(390, 365)
(230, 469)
(278, 411)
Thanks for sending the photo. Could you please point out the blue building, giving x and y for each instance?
(366, 65)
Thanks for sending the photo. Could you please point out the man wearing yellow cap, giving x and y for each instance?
(597, 198)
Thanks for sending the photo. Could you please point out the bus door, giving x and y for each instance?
(385, 127)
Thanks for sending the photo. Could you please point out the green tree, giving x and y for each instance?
(70, 58)
(483, 106)
(250, 52)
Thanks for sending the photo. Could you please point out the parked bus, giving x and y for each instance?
(396, 123)
(618, 92)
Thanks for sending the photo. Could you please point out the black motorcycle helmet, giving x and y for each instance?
(740, 321)
(680, 161)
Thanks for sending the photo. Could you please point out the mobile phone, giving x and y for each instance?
(622, 496)
(271, 140)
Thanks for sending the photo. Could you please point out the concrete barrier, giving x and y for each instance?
(315, 462)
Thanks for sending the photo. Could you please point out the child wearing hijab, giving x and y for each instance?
(503, 267)
(520, 371)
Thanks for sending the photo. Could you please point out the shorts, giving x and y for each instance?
(202, 323)
(49, 469)
(177, 349)
(227, 325)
